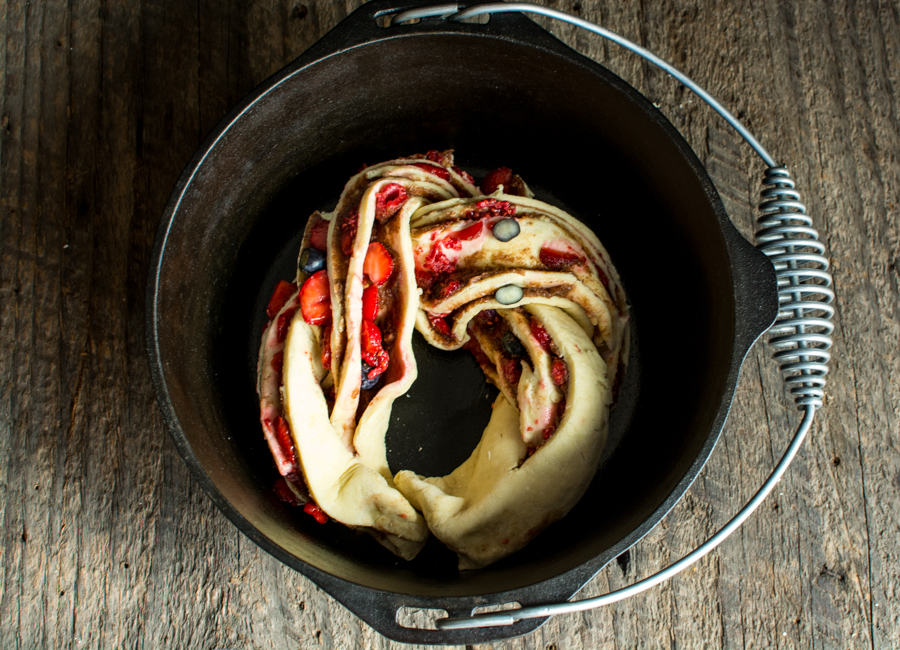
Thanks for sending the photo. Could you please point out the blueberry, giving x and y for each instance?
(367, 383)
(509, 294)
(312, 260)
(506, 229)
(512, 345)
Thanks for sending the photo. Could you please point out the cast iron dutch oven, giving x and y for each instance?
(502, 93)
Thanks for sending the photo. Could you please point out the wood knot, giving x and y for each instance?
(831, 573)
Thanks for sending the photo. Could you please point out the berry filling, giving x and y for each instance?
(283, 435)
(425, 279)
(471, 233)
(439, 322)
(438, 261)
(284, 493)
(315, 299)
(283, 324)
(348, 232)
(558, 260)
(378, 264)
(372, 351)
(278, 362)
(326, 346)
(495, 178)
(315, 512)
(449, 288)
(440, 172)
(512, 183)
(490, 208)
(559, 370)
(512, 370)
(370, 303)
(283, 292)
(538, 332)
(468, 178)
(318, 236)
(389, 201)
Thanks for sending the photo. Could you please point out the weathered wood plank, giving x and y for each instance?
(107, 541)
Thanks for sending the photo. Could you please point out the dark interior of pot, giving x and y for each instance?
(581, 142)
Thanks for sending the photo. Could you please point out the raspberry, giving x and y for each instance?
(389, 201)
(559, 371)
(438, 262)
(512, 370)
(490, 208)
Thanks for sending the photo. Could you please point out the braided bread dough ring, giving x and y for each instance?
(477, 510)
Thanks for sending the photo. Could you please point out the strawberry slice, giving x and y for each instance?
(495, 178)
(283, 292)
(370, 303)
(557, 260)
(440, 172)
(318, 236)
(315, 298)
(389, 201)
(378, 264)
(470, 233)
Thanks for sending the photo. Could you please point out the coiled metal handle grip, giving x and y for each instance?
(801, 334)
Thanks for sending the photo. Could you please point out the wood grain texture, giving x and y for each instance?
(106, 541)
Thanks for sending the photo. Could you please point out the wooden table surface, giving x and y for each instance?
(107, 541)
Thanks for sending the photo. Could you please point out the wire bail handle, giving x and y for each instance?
(801, 334)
